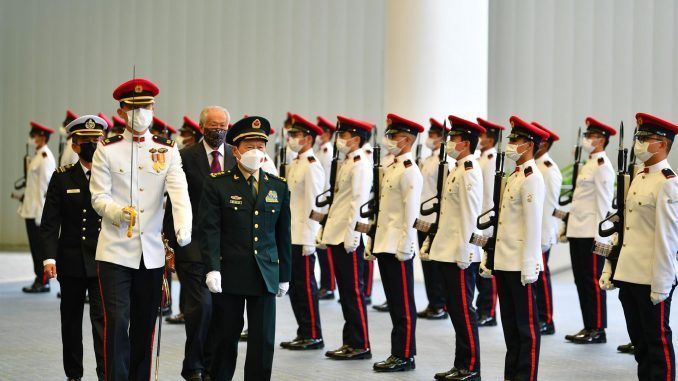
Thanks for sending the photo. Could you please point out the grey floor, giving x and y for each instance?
(31, 346)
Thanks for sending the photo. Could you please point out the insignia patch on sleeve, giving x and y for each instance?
(490, 156)
(601, 161)
(112, 139)
(325, 149)
(356, 158)
(407, 163)
(668, 173)
(528, 171)
(548, 164)
(530, 197)
(311, 159)
(468, 165)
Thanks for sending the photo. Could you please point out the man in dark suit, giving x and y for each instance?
(244, 224)
(211, 155)
(70, 231)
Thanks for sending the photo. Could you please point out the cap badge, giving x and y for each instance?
(256, 123)
(90, 124)
(640, 121)
(138, 89)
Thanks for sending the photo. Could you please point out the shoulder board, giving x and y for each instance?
(311, 159)
(44, 154)
(64, 168)
(601, 161)
(468, 165)
(490, 156)
(112, 139)
(163, 141)
(325, 149)
(668, 173)
(407, 163)
(528, 171)
(284, 180)
(218, 174)
(356, 158)
(548, 164)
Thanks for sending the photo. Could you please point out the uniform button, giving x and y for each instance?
(256, 212)
(627, 228)
(83, 238)
(630, 210)
(84, 210)
(639, 203)
(142, 233)
(84, 220)
(236, 208)
(273, 211)
(255, 252)
(634, 193)
(99, 219)
(121, 170)
(99, 229)
(141, 189)
(220, 257)
(256, 226)
(84, 229)
(624, 245)
(141, 167)
(256, 239)
(141, 210)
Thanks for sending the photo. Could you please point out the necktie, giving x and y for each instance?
(253, 189)
(216, 166)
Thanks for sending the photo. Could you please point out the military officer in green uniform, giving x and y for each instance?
(245, 221)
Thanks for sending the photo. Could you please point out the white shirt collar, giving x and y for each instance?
(526, 164)
(353, 154)
(470, 156)
(305, 154)
(658, 166)
(489, 152)
(405, 156)
(84, 169)
(597, 155)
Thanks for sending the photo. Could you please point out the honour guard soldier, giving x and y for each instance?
(162, 129)
(549, 228)
(118, 126)
(325, 153)
(435, 309)
(245, 224)
(352, 189)
(395, 241)
(66, 153)
(452, 251)
(486, 303)
(39, 170)
(591, 201)
(189, 133)
(269, 164)
(646, 270)
(109, 123)
(306, 180)
(518, 259)
(70, 231)
(130, 175)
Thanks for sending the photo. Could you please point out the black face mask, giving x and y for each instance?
(215, 137)
(87, 151)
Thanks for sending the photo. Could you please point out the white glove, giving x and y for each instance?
(37, 222)
(213, 281)
(318, 239)
(562, 234)
(605, 282)
(183, 237)
(282, 288)
(658, 297)
(367, 253)
(124, 217)
(484, 271)
(528, 279)
(463, 265)
(350, 248)
(424, 251)
(307, 250)
(402, 257)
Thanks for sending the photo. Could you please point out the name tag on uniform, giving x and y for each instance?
(77, 190)
(235, 199)
(272, 196)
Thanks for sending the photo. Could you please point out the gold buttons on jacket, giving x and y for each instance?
(256, 239)
(256, 226)
(256, 212)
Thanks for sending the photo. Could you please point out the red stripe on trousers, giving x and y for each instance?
(533, 345)
(330, 264)
(667, 355)
(493, 295)
(547, 295)
(408, 321)
(368, 286)
(309, 294)
(359, 298)
(103, 306)
(462, 285)
(596, 288)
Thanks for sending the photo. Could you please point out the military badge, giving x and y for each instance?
(272, 196)
(138, 89)
(235, 199)
(530, 197)
(90, 125)
(256, 123)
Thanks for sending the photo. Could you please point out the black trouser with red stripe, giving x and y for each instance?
(545, 292)
(520, 322)
(587, 268)
(398, 280)
(432, 280)
(327, 281)
(486, 303)
(648, 327)
(348, 268)
(459, 286)
(130, 299)
(304, 295)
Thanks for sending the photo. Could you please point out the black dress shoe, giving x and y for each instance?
(381, 307)
(345, 352)
(594, 336)
(626, 348)
(487, 321)
(547, 329)
(300, 344)
(578, 334)
(243, 336)
(463, 375)
(442, 375)
(394, 364)
(432, 314)
(325, 294)
(195, 376)
(36, 288)
(176, 319)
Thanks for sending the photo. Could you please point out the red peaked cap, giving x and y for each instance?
(359, 127)
(118, 121)
(299, 123)
(71, 116)
(191, 125)
(137, 91)
(527, 130)
(597, 126)
(159, 125)
(289, 118)
(437, 126)
(463, 126)
(325, 124)
(552, 135)
(40, 128)
(489, 125)
(398, 123)
(652, 125)
(105, 118)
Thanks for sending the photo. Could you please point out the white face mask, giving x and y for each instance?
(512, 151)
(392, 146)
(140, 119)
(641, 151)
(252, 160)
(587, 145)
(451, 149)
(342, 145)
(430, 143)
(294, 144)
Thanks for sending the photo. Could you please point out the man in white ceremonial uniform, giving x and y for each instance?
(550, 224)
(452, 251)
(130, 175)
(517, 254)
(486, 302)
(325, 154)
(591, 202)
(395, 240)
(306, 180)
(435, 309)
(646, 270)
(39, 170)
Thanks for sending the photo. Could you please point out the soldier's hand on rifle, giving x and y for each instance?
(367, 254)
(318, 239)
(404, 256)
(183, 237)
(484, 271)
(605, 281)
(528, 279)
(213, 281)
(562, 234)
(282, 289)
(49, 269)
(307, 250)
(425, 248)
(658, 297)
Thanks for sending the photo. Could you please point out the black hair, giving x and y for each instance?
(535, 147)
(472, 139)
(607, 141)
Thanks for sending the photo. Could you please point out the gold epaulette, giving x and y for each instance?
(163, 141)
(64, 168)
